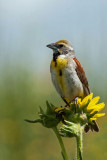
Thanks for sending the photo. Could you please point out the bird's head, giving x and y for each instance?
(62, 47)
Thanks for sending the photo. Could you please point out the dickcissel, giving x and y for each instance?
(67, 74)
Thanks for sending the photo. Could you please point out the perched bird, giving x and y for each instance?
(68, 76)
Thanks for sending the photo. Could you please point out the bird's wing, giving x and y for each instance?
(82, 76)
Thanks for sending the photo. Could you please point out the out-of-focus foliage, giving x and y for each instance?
(20, 97)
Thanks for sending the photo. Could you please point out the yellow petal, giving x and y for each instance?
(60, 109)
(79, 101)
(99, 115)
(97, 107)
(86, 99)
(94, 101)
(93, 119)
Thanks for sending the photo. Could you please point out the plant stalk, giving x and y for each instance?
(63, 151)
(79, 142)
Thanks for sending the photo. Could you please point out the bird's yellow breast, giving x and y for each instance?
(59, 64)
(58, 67)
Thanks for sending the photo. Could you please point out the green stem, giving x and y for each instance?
(79, 142)
(64, 154)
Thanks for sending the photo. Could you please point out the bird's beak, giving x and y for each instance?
(52, 46)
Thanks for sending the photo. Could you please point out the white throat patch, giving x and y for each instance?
(62, 56)
(71, 48)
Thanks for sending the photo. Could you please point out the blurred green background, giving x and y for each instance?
(26, 27)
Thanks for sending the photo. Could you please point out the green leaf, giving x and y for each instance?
(41, 110)
(33, 121)
(49, 108)
(91, 115)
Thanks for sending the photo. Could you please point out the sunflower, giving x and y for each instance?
(91, 107)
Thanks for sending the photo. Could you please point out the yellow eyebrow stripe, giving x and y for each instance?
(62, 42)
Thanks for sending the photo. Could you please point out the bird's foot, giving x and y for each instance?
(67, 103)
(75, 100)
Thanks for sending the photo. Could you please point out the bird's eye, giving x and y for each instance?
(61, 45)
